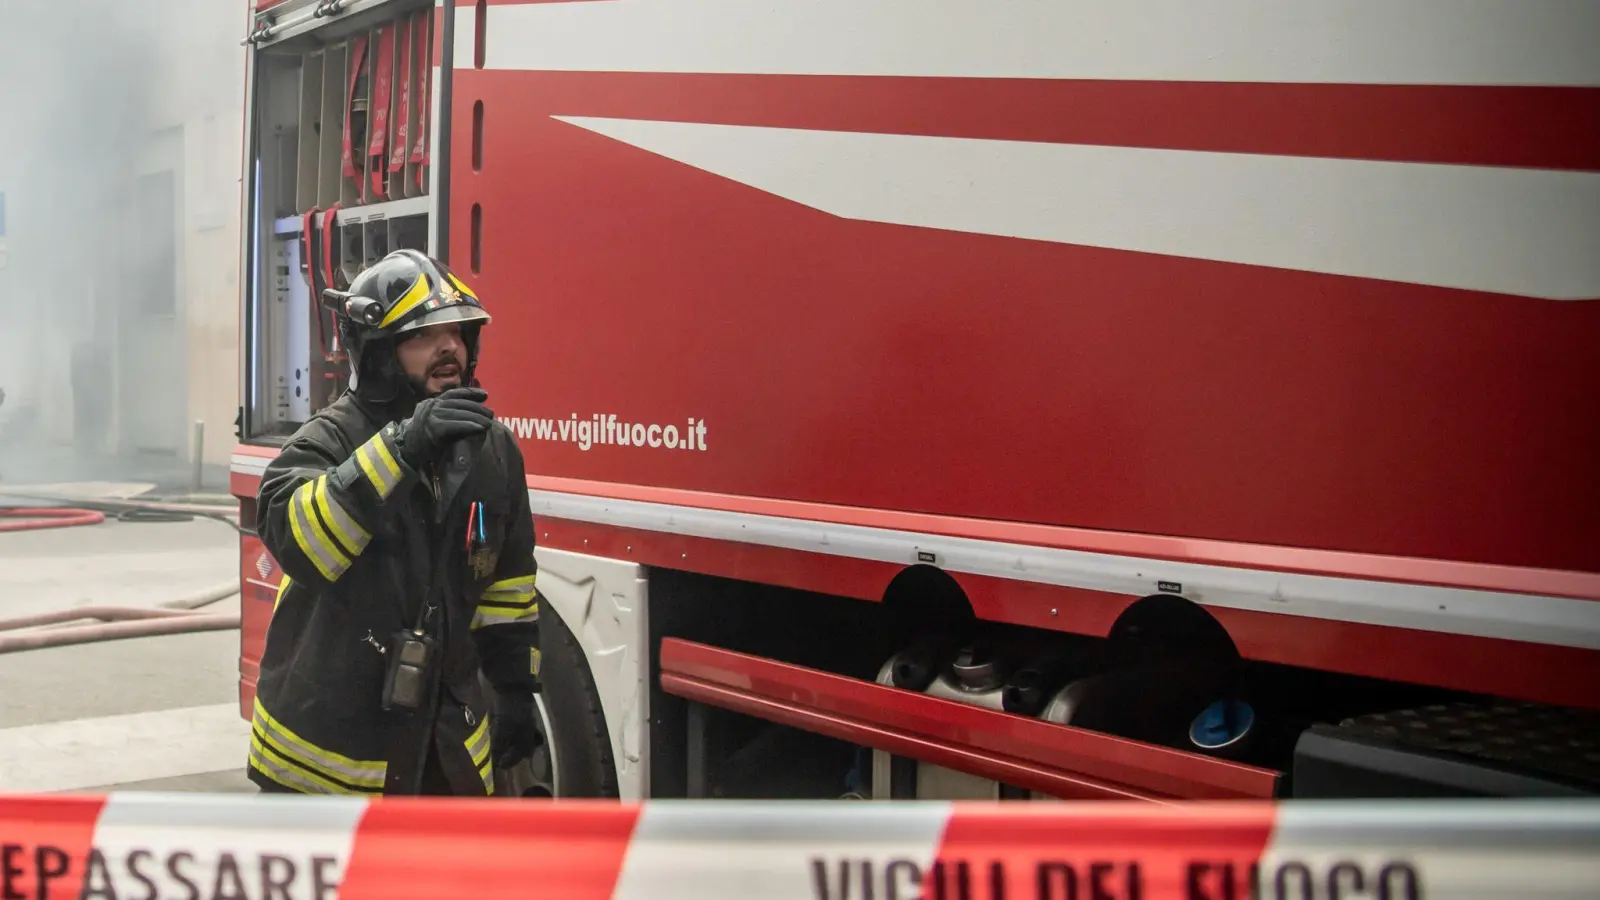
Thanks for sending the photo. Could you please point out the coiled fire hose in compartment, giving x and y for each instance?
(110, 623)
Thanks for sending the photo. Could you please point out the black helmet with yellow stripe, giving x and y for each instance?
(402, 292)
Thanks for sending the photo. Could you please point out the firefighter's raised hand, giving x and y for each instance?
(455, 414)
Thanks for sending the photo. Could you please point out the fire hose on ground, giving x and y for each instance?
(93, 512)
(111, 623)
(30, 518)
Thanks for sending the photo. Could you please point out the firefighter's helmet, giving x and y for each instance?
(402, 292)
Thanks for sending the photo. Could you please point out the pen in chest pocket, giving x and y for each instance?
(477, 535)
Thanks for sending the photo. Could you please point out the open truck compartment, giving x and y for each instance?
(342, 167)
(761, 696)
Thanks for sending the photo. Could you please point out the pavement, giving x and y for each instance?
(155, 713)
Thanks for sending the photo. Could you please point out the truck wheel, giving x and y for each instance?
(575, 759)
(575, 723)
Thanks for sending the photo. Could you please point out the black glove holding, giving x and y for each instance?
(514, 734)
(438, 421)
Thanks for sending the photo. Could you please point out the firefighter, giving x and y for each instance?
(399, 515)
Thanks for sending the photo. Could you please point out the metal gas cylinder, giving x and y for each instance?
(972, 674)
(1185, 704)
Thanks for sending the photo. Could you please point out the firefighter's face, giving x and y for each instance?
(434, 358)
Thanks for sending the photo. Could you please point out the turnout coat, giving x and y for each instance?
(370, 546)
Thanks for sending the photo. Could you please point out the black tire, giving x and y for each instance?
(584, 764)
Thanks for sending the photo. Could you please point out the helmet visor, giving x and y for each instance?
(457, 313)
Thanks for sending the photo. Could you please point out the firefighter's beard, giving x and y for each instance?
(444, 373)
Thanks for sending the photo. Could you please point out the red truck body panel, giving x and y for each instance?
(894, 367)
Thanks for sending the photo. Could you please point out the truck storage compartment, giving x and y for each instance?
(341, 178)
(762, 691)
(1055, 760)
(1166, 700)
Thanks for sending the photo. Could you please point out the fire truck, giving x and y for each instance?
(950, 399)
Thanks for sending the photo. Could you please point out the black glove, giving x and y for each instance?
(514, 734)
(455, 414)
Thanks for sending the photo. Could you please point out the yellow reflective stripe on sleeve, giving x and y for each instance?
(352, 537)
(498, 615)
(528, 613)
(358, 773)
(508, 600)
(379, 465)
(328, 559)
(486, 772)
(535, 659)
(478, 744)
(306, 495)
(511, 593)
(518, 584)
(390, 464)
(364, 459)
(283, 586)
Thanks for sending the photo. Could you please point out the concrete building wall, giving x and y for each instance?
(200, 90)
(209, 274)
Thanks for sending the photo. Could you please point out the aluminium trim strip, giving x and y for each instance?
(242, 464)
(1556, 621)
(1536, 619)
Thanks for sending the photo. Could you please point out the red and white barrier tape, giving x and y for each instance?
(217, 847)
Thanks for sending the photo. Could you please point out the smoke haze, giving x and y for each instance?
(119, 164)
